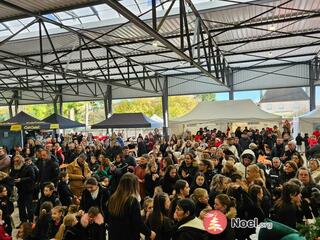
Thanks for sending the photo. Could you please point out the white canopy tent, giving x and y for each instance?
(158, 120)
(222, 113)
(308, 122)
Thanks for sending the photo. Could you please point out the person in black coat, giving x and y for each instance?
(124, 217)
(94, 196)
(188, 170)
(278, 149)
(169, 179)
(7, 209)
(65, 194)
(151, 179)
(47, 196)
(158, 220)
(41, 228)
(24, 178)
(289, 209)
(48, 169)
(189, 226)
(289, 171)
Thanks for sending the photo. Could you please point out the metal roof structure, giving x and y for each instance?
(71, 50)
(284, 95)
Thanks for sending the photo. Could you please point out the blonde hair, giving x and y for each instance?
(198, 193)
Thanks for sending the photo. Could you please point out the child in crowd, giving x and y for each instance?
(48, 196)
(42, 225)
(7, 209)
(57, 214)
(65, 194)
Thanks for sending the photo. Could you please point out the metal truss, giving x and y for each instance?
(72, 79)
(214, 65)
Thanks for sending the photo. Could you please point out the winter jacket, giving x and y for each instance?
(27, 179)
(65, 194)
(122, 227)
(87, 201)
(191, 230)
(76, 175)
(242, 168)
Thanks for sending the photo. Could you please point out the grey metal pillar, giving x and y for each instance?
(16, 102)
(165, 108)
(55, 106)
(60, 100)
(312, 86)
(230, 82)
(10, 110)
(108, 102)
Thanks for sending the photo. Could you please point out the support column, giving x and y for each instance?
(230, 82)
(16, 102)
(165, 108)
(108, 102)
(10, 110)
(60, 100)
(312, 86)
(55, 106)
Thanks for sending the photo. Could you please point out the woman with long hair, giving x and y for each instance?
(182, 191)
(288, 208)
(226, 205)
(159, 220)
(169, 179)
(125, 221)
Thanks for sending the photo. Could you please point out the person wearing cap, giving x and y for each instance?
(247, 158)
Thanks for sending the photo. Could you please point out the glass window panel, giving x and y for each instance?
(108, 14)
(25, 21)
(71, 22)
(93, 18)
(102, 7)
(14, 23)
(63, 15)
(5, 33)
(83, 11)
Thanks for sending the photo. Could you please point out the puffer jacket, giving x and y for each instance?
(241, 167)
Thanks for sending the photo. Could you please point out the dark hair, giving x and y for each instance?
(93, 211)
(187, 205)
(168, 170)
(128, 187)
(159, 210)
(27, 230)
(92, 181)
(227, 201)
(253, 192)
(179, 185)
(2, 187)
(45, 209)
(287, 190)
(207, 163)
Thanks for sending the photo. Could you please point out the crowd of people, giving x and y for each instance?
(81, 187)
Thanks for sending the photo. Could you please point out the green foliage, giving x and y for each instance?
(207, 97)
(311, 231)
(4, 113)
(178, 106)
(39, 111)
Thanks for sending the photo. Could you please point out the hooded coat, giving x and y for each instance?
(241, 167)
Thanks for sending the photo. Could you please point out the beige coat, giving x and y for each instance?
(76, 177)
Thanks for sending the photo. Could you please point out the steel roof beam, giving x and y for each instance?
(139, 23)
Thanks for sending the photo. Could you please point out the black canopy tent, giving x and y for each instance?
(62, 122)
(12, 129)
(23, 121)
(125, 120)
